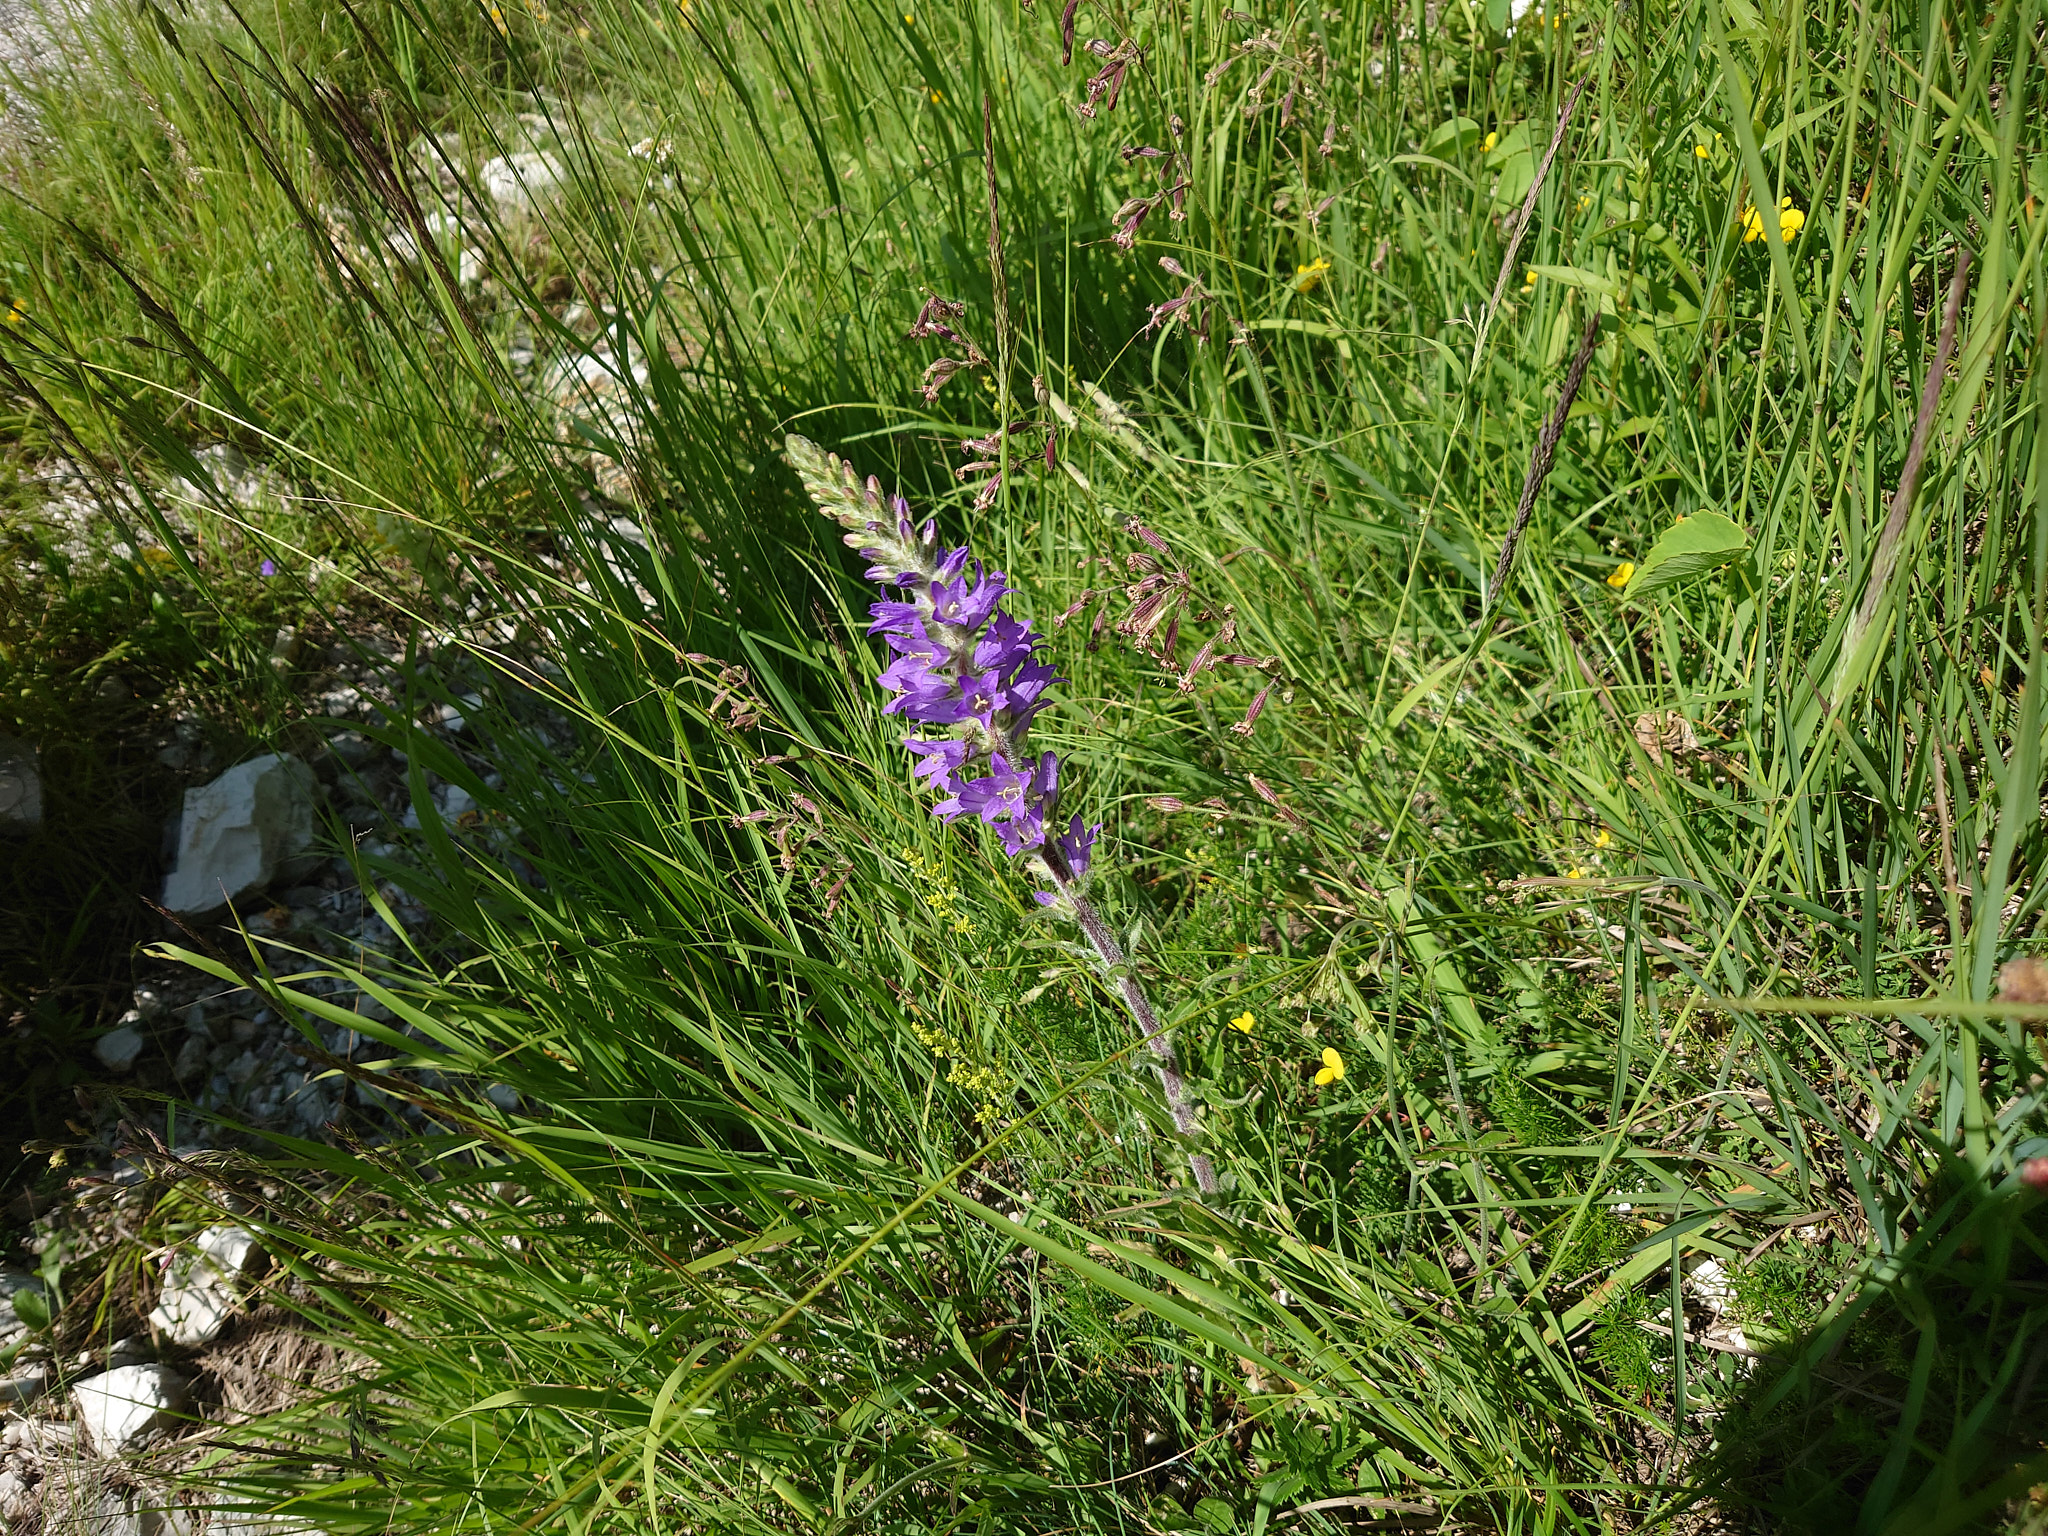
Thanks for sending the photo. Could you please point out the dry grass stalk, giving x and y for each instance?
(1544, 455)
(1520, 220)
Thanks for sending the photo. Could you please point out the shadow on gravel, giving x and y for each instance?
(71, 916)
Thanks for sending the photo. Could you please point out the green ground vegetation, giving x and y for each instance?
(1655, 910)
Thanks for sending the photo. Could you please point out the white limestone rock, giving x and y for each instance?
(201, 1291)
(118, 1408)
(240, 832)
(117, 1049)
(522, 184)
(1712, 1286)
(24, 1381)
(226, 1518)
(192, 1058)
(17, 1499)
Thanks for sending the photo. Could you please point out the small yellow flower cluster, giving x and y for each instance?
(498, 21)
(1309, 278)
(1790, 221)
(1332, 1070)
(1244, 1022)
(940, 893)
(982, 1082)
(1602, 841)
(1529, 282)
(16, 313)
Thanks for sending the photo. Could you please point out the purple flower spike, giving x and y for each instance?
(968, 604)
(941, 760)
(961, 661)
(1006, 645)
(1023, 833)
(958, 660)
(999, 794)
(912, 677)
(1078, 845)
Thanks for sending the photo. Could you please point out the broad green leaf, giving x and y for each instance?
(32, 1308)
(1510, 144)
(1515, 163)
(1315, 328)
(1701, 544)
(1579, 277)
(1452, 138)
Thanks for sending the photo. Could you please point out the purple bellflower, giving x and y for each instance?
(960, 665)
(974, 677)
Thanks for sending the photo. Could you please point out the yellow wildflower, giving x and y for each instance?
(1790, 221)
(1575, 873)
(1529, 282)
(498, 21)
(1491, 140)
(1332, 1070)
(1621, 575)
(937, 97)
(1585, 201)
(1702, 151)
(15, 313)
(1603, 838)
(909, 18)
(1243, 1022)
(1307, 279)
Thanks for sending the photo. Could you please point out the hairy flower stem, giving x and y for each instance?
(1158, 1043)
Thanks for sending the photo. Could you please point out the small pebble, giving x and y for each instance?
(119, 1048)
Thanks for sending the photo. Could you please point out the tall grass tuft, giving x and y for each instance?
(1526, 957)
